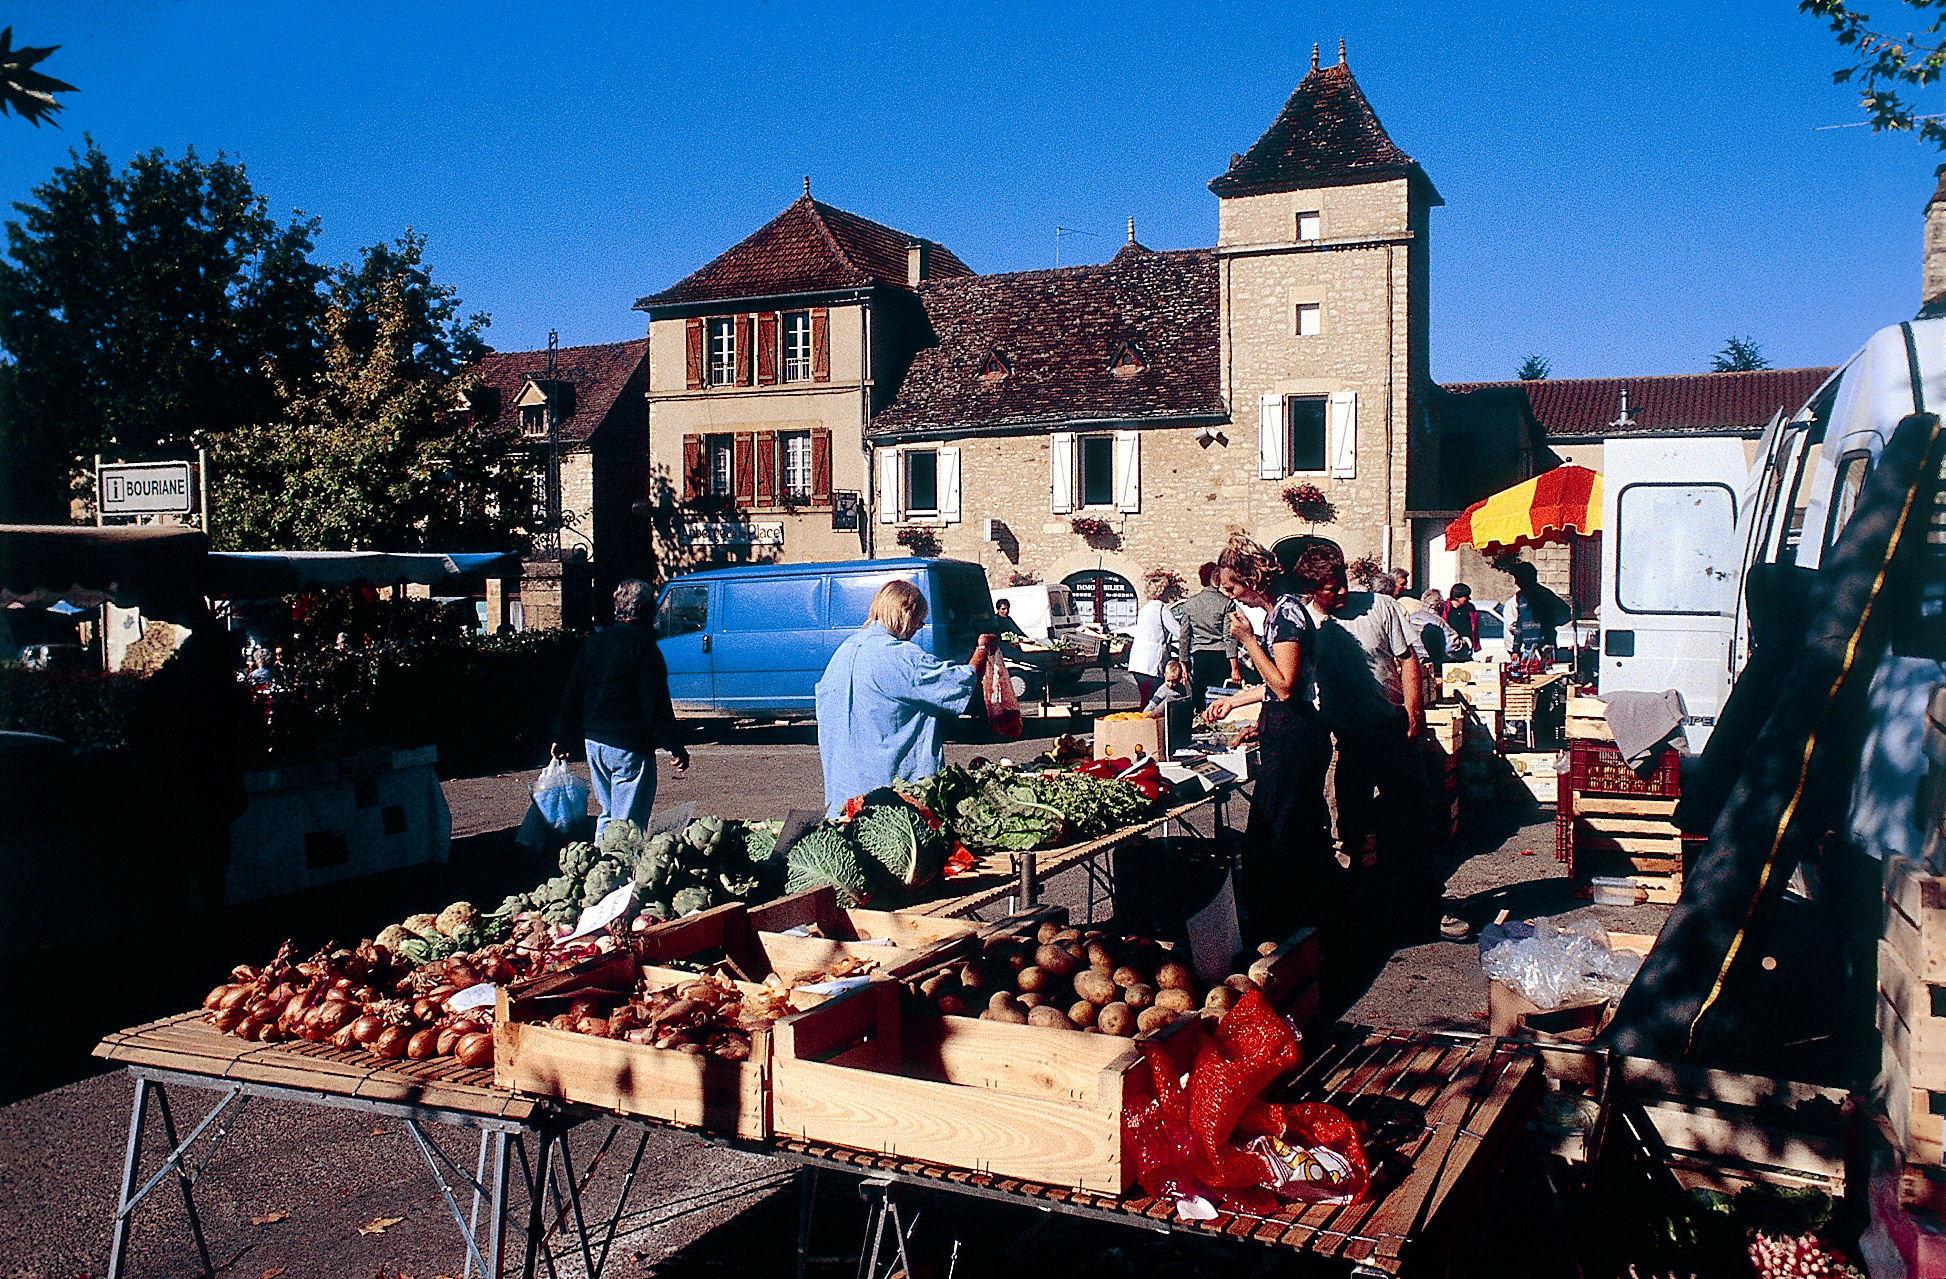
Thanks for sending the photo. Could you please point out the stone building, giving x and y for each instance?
(596, 394)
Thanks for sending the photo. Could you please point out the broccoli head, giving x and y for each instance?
(578, 859)
(689, 900)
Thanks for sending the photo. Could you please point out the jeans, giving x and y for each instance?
(624, 783)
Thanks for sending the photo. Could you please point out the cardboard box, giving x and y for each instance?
(1126, 738)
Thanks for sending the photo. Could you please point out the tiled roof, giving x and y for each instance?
(1326, 135)
(1682, 402)
(808, 248)
(600, 375)
(1057, 332)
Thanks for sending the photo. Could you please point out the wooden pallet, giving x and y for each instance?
(1439, 1116)
(1912, 1013)
(1630, 837)
(1725, 1130)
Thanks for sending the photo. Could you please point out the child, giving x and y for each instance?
(1174, 686)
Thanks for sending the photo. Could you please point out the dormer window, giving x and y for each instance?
(534, 400)
(1127, 362)
(995, 368)
(533, 420)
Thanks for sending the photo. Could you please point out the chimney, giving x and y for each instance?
(1932, 270)
(916, 255)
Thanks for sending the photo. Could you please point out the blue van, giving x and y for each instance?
(753, 640)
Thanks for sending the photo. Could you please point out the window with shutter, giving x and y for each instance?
(767, 468)
(720, 461)
(692, 353)
(797, 346)
(888, 486)
(1097, 470)
(1270, 437)
(767, 348)
(695, 481)
(722, 352)
(1128, 471)
(1344, 434)
(1309, 439)
(821, 466)
(1060, 472)
(921, 482)
(746, 471)
(949, 484)
(820, 344)
(795, 448)
(744, 348)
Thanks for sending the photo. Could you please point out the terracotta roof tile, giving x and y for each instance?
(1057, 331)
(808, 248)
(601, 376)
(1326, 135)
(1684, 402)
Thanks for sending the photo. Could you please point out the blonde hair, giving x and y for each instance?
(900, 607)
(1249, 561)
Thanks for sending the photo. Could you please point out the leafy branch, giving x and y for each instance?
(1888, 65)
(24, 91)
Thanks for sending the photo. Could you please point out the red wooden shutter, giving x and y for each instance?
(821, 344)
(693, 481)
(743, 350)
(692, 348)
(766, 468)
(766, 348)
(741, 470)
(821, 466)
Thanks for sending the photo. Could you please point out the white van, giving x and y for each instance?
(1042, 612)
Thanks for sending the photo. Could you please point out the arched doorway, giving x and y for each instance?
(1103, 598)
(1288, 549)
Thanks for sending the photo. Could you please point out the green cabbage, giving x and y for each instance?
(901, 842)
(827, 855)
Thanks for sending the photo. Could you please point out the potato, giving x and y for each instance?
(938, 984)
(1033, 999)
(1053, 1018)
(1100, 955)
(1012, 1016)
(1267, 948)
(1241, 984)
(974, 975)
(1153, 1019)
(1096, 987)
(1174, 976)
(1045, 933)
(949, 1003)
(1002, 999)
(1260, 971)
(1130, 975)
(1015, 960)
(1091, 1030)
(1059, 960)
(1116, 1019)
(1175, 999)
(1083, 1013)
(1221, 999)
(1031, 978)
(1066, 937)
(1139, 996)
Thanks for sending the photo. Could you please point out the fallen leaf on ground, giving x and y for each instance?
(379, 1131)
(268, 1218)
(1525, 852)
(273, 1272)
(379, 1225)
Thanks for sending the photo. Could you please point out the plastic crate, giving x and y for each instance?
(1564, 824)
(1597, 768)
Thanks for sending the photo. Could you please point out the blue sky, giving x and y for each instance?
(1626, 184)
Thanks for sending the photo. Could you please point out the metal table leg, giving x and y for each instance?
(233, 1097)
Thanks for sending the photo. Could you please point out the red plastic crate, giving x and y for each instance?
(1597, 768)
(1563, 823)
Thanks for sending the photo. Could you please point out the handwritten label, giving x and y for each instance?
(479, 996)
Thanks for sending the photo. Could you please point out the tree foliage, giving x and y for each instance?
(24, 91)
(1890, 66)
(1739, 355)
(365, 452)
(1532, 369)
(139, 307)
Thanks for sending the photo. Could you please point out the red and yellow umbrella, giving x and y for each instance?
(1548, 508)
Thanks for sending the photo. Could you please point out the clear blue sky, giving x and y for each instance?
(1625, 184)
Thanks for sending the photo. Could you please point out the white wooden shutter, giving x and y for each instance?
(949, 484)
(888, 486)
(1128, 471)
(1343, 427)
(1271, 441)
(1060, 472)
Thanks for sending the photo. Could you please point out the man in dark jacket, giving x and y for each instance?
(617, 702)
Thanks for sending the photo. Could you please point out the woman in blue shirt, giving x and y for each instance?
(882, 699)
(1287, 876)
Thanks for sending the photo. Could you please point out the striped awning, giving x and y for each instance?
(1544, 509)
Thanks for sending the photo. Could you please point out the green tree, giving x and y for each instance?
(1739, 355)
(364, 452)
(1532, 369)
(24, 91)
(138, 308)
(434, 340)
(1888, 66)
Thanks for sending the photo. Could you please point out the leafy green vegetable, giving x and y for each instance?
(942, 792)
(826, 855)
(689, 899)
(1006, 812)
(896, 837)
(760, 841)
(578, 859)
(1094, 805)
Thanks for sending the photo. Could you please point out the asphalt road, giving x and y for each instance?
(299, 1192)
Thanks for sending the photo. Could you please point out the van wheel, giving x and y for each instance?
(1020, 687)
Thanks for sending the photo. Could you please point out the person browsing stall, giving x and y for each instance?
(617, 702)
(882, 699)
(1203, 639)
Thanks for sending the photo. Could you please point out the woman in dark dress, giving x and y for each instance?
(1288, 875)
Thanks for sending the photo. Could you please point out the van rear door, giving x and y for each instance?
(961, 607)
(682, 633)
(770, 643)
(1671, 568)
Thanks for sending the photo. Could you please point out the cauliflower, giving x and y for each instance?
(424, 925)
(578, 859)
(604, 879)
(391, 936)
(457, 918)
(689, 900)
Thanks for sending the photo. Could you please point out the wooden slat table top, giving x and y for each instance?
(995, 875)
(1437, 1111)
(187, 1044)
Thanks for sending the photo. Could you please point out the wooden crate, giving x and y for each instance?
(1912, 1013)
(1481, 685)
(869, 1072)
(1446, 725)
(695, 1091)
(1588, 720)
(1725, 1130)
(754, 945)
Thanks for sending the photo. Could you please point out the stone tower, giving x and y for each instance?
(1323, 258)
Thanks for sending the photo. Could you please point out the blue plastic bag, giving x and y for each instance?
(561, 796)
